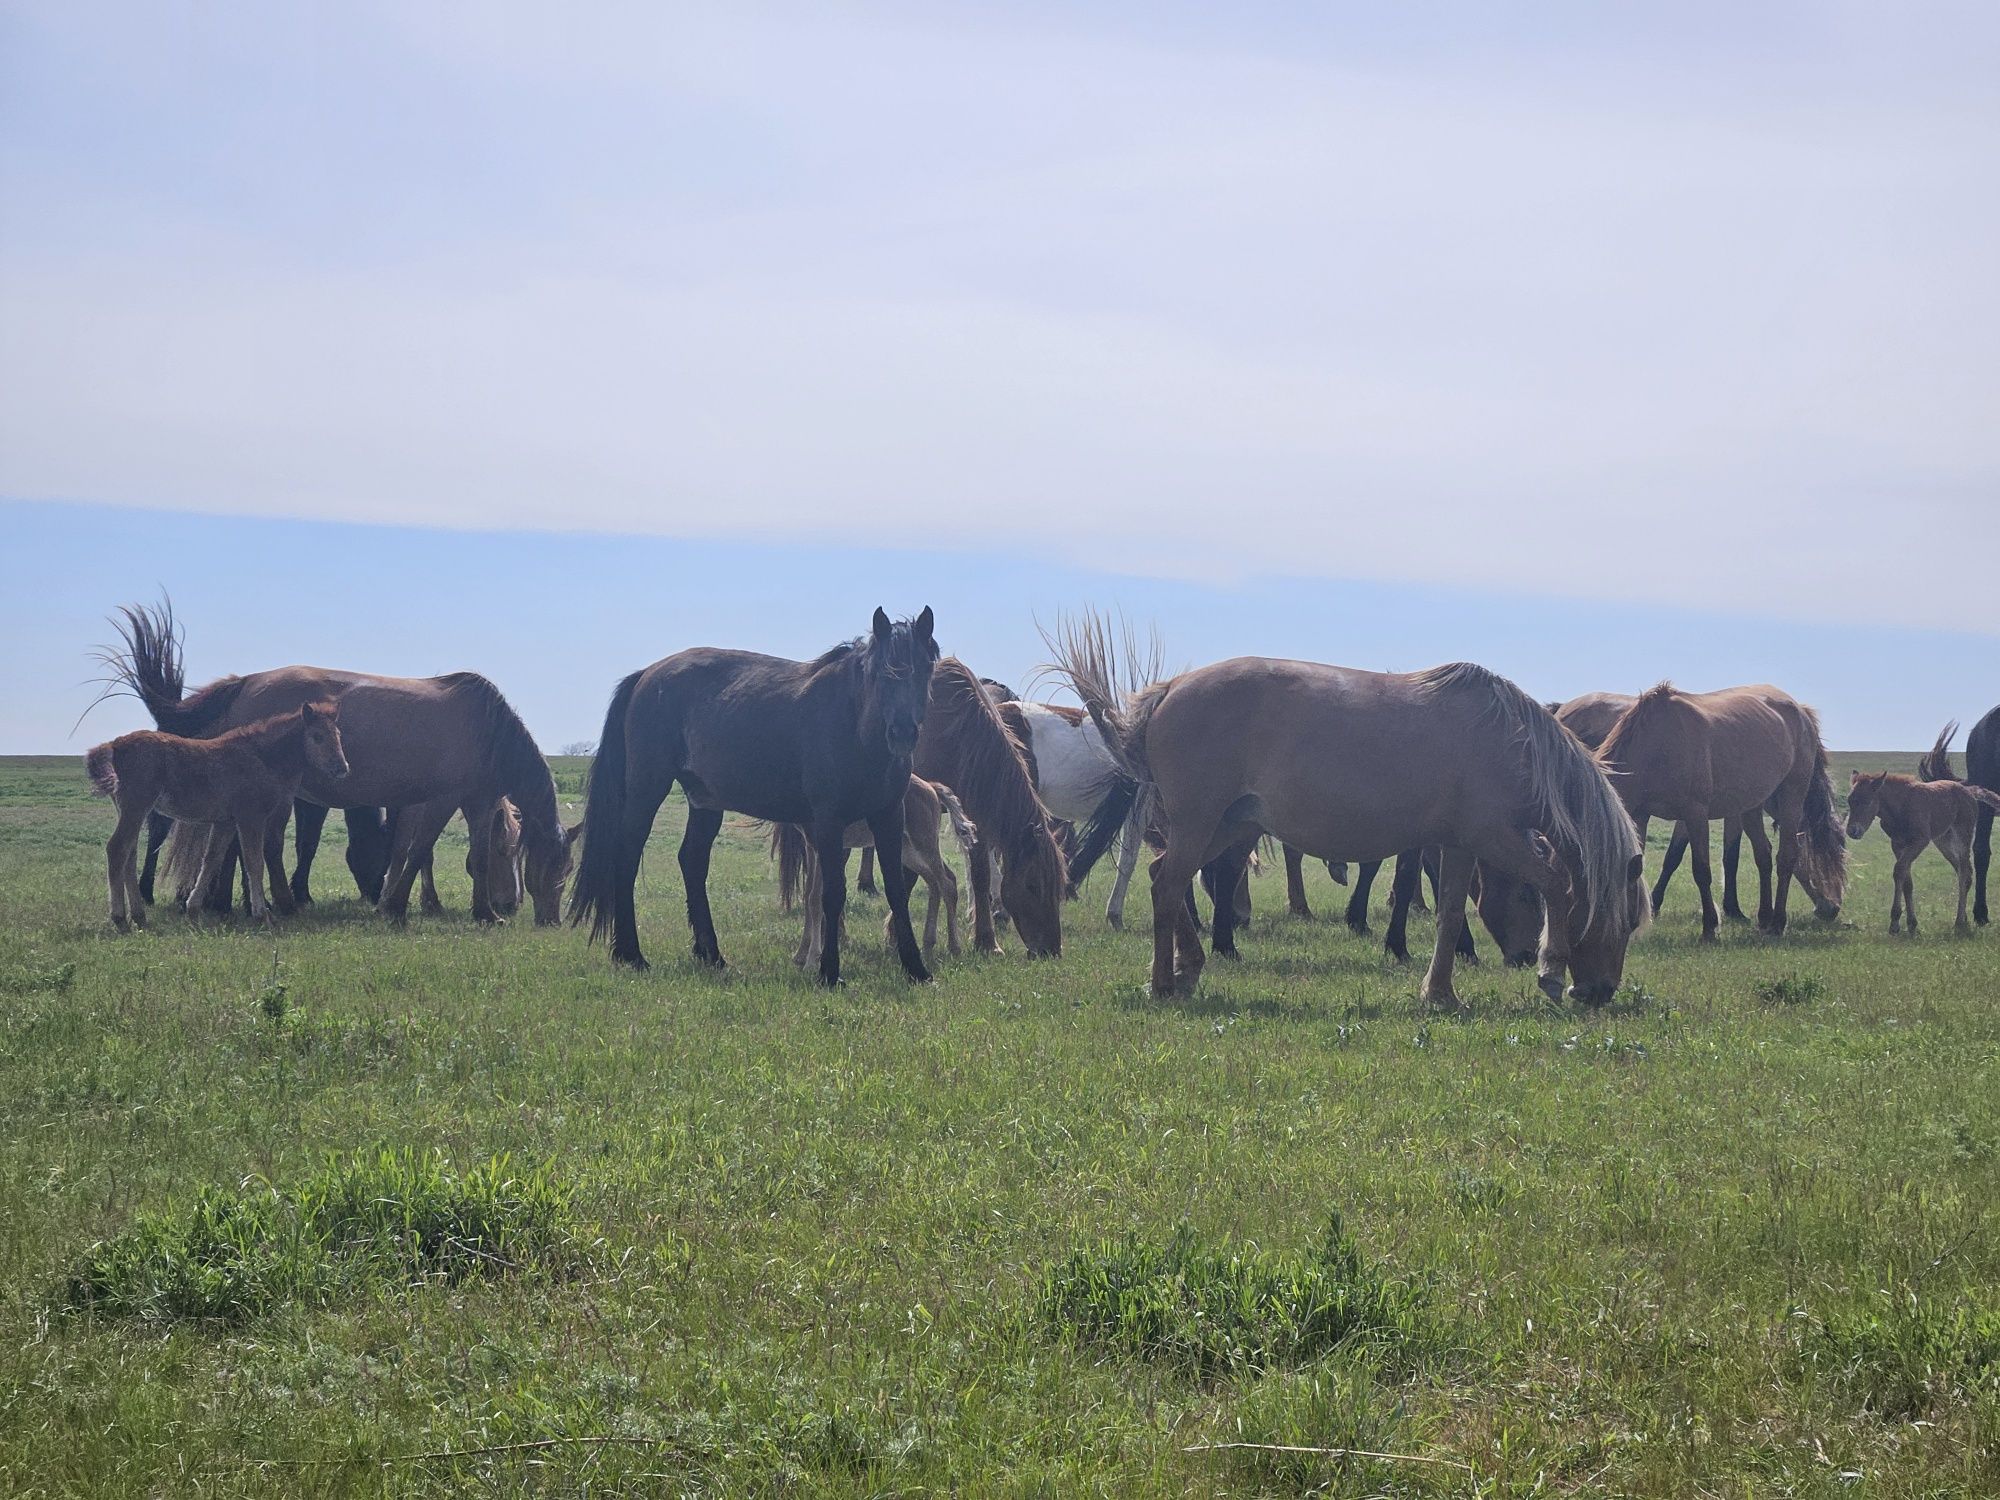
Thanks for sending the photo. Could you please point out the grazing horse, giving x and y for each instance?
(1355, 765)
(1916, 814)
(1694, 756)
(239, 783)
(966, 746)
(923, 858)
(822, 743)
(1982, 768)
(1589, 717)
(427, 745)
(1079, 782)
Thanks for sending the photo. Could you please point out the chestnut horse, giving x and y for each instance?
(1982, 768)
(238, 783)
(1589, 717)
(1694, 756)
(1916, 814)
(965, 746)
(822, 743)
(1354, 765)
(429, 746)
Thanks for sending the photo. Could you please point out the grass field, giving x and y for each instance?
(1025, 1231)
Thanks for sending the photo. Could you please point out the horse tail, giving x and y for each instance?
(788, 847)
(1086, 658)
(1825, 843)
(1100, 829)
(962, 828)
(593, 891)
(146, 664)
(1986, 798)
(1936, 764)
(187, 843)
(103, 770)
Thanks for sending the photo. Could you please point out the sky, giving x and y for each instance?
(1599, 344)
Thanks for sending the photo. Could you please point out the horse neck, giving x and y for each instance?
(281, 745)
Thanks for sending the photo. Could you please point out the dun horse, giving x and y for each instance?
(1695, 756)
(923, 858)
(822, 743)
(1354, 765)
(240, 783)
(965, 746)
(1982, 768)
(430, 746)
(1916, 814)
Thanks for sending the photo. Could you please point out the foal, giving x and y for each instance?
(240, 783)
(1916, 814)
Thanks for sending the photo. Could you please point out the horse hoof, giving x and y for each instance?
(1117, 924)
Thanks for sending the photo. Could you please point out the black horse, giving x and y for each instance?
(823, 744)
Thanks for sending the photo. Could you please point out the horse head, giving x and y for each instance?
(896, 680)
(321, 727)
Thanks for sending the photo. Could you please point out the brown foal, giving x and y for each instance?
(1916, 814)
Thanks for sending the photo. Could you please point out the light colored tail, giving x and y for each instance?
(1825, 843)
(1987, 799)
(962, 828)
(1084, 655)
(103, 771)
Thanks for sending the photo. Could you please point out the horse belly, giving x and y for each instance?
(1072, 774)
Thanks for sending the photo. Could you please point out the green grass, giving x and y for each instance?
(1026, 1231)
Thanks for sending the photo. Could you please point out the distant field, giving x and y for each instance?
(1026, 1231)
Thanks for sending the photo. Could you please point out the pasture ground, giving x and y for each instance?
(1736, 1234)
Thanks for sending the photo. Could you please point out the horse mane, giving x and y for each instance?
(1016, 719)
(859, 651)
(1570, 796)
(990, 766)
(513, 761)
(146, 664)
(1936, 764)
(1645, 708)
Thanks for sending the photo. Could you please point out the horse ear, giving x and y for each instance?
(1636, 870)
(1854, 778)
(882, 627)
(924, 623)
(571, 835)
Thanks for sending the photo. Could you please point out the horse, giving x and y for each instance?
(238, 782)
(822, 743)
(1693, 756)
(1346, 764)
(1078, 782)
(1982, 768)
(1589, 717)
(1916, 814)
(965, 745)
(432, 744)
(923, 804)
(505, 871)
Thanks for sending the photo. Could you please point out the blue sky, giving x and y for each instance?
(1597, 343)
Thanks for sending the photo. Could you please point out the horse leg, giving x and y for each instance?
(428, 901)
(368, 841)
(887, 827)
(1295, 883)
(1130, 839)
(308, 819)
(1732, 855)
(1696, 827)
(1903, 867)
(697, 844)
(948, 879)
(829, 845)
(1433, 861)
(1357, 901)
(417, 828)
(479, 820)
(250, 839)
(1788, 861)
(1982, 855)
(1402, 888)
(158, 826)
(1172, 872)
(119, 856)
(807, 951)
(979, 864)
(1455, 880)
(864, 878)
(1228, 869)
(1957, 848)
(274, 862)
(1677, 846)
(1760, 850)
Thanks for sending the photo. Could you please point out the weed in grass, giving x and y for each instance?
(397, 1217)
(1214, 1308)
(1792, 989)
(36, 979)
(1919, 1351)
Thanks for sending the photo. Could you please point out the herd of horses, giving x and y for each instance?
(1535, 814)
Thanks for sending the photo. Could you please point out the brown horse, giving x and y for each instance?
(1589, 717)
(1916, 814)
(1356, 765)
(1694, 756)
(923, 857)
(240, 783)
(506, 861)
(1982, 768)
(965, 746)
(429, 746)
